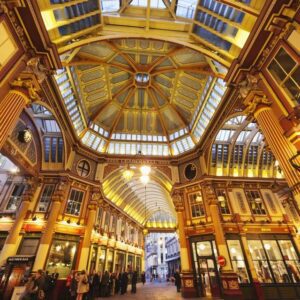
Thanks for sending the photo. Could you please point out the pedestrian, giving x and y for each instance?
(177, 280)
(143, 278)
(133, 282)
(105, 285)
(118, 283)
(95, 285)
(39, 285)
(124, 282)
(73, 286)
(83, 285)
(28, 294)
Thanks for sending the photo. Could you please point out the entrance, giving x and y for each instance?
(205, 266)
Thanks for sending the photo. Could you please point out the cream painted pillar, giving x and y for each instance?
(94, 199)
(184, 256)
(281, 147)
(49, 229)
(13, 239)
(10, 109)
(249, 257)
(229, 279)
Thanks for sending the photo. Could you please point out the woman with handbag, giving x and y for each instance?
(83, 285)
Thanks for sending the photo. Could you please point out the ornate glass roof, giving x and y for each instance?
(145, 76)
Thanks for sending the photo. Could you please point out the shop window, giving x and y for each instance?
(120, 262)
(223, 202)
(237, 260)
(204, 248)
(256, 203)
(53, 149)
(196, 205)
(15, 197)
(110, 258)
(29, 246)
(45, 198)
(275, 261)
(74, 202)
(101, 262)
(286, 71)
(61, 257)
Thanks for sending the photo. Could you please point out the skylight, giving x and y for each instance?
(153, 3)
(186, 8)
(110, 5)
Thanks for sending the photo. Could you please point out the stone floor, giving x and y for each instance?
(153, 291)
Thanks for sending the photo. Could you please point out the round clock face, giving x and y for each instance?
(25, 136)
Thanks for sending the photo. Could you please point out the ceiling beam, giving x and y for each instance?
(110, 101)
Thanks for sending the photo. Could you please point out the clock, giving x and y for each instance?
(25, 136)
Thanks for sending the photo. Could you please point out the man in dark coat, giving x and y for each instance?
(105, 285)
(143, 278)
(177, 280)
(134, 282)
(124, 282)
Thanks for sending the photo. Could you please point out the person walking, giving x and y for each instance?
(83, 285)
(134, 282)
(177, 280)
(73, 286)
(118, 283)
(95, 285)
(39, 285)
(143, 278)
(105, 285)
(124, 282)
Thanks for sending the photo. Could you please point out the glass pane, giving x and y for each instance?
(276, 71)
(296, 76)
(294, 270)
(101, 263)
(288, 250)
(292, 89)
(285, 60)
(61, 257)
(263, 271)
(256, 250)
(272, 250)
(279, 271)
(204, 249)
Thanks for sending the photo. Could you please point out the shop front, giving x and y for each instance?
(271, 270)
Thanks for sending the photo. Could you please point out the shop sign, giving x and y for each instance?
(14, 259)
(221, 261)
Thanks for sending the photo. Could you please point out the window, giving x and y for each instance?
(53, 149)
(29, 246)
(8, 47)
(45, 198)
(237, 260)
(223, 202)
(83, 168)
(15, 197)
(74, 202)
(61, 257)
(256, 202)
(275, 260)
(107, 221)
(196, 204)
(286, 72)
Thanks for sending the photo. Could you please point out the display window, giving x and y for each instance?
(275, 261)
(61, 258)
(238, 260)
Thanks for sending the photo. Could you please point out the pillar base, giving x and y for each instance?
(188, 289)
(258, 290)
(230, 286)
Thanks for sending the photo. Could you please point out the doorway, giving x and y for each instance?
(205, 268)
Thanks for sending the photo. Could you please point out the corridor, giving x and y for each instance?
(153, 291)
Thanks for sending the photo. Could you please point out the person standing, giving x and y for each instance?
(143, 278)
(134, 282)
(28, 294)
(73, 286)
(40, 285)
(124, 282)
(177, 280)
(118, 283)
(95, 285)
(83, 285)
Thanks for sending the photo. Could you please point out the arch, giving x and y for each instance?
(238, 149)
(47, 125)
(140, 201)
(150, 36)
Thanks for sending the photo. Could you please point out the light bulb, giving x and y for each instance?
(145, 170)
(127, 174)
(201, 246)
(267, 246)
(233, 250)
(145, 179)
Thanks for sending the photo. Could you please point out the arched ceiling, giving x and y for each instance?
(239, 149)
(144, 203)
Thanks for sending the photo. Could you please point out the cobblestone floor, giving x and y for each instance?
(153, 291)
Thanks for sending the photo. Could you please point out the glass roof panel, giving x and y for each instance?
(110, 5)
(186, 8)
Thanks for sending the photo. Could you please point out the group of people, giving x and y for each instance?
(81, 286)
(39, 286)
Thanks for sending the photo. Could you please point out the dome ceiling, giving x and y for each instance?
(146, 94)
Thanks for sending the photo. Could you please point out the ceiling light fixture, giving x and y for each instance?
(128, 173)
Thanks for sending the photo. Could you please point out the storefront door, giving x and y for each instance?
(208, 277)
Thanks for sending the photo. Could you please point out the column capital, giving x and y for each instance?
(60, 190)
(177, 197)
(96, 197)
